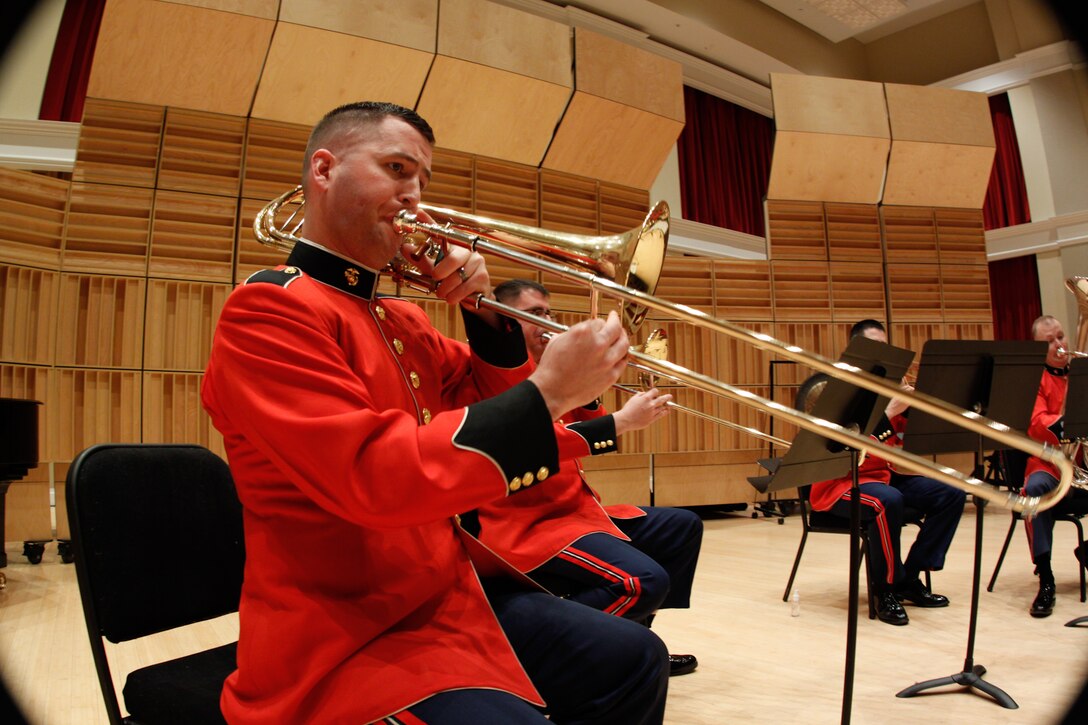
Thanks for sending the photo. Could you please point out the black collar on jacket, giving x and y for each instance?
(334, 270)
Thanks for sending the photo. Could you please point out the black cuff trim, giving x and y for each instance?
(502, 348)
(600, 433)
(1058, 429)
(883, 430)
(515, 430)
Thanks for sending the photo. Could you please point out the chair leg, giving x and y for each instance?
(1004, 548)
(796, 563)
(870, 591)
(1080, 543)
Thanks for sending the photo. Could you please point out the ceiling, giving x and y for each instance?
(865, 20)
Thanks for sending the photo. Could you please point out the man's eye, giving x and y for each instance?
(397, 166)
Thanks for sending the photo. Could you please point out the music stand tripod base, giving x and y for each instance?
(972, 679)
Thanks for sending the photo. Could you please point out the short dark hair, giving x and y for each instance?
(511, 289)
(355, 115)
(859, 328)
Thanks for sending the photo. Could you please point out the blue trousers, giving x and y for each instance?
(631, 579)
(588, 666)
(1040, 530)
(882, 514)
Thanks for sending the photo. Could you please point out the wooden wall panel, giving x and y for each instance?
(620, 477)
(687, 281)
(682, 432)
(857, 291)
(740, 362)
(192, 236)
(410, 23)
(273, 158)
(853, 233)
(172, 411)
(815, 337)
(32, 211)
(910, 234)
(622, 208)
(28, 309)
(800, 290)
(569, 203)
(181, 319)
(119, 143)
(969, 330)
(202, 152)
(914, 292)
(914, 336)
(100, 321)
(697, 479)
(744, 414)
(107, 230)
(93, 406)
(452, 183)
(507, 192)
(961, 236)
(796, 230)
(965, 293)
(251, 255)
(742, 290)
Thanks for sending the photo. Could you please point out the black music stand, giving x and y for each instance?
(998, 380)
(812, 457)
(1075, 421)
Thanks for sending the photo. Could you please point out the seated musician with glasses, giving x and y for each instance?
(884, 493)
(356, 433)
(625, 560)
(1040, 477)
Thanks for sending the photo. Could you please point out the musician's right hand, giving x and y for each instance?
(580, 364)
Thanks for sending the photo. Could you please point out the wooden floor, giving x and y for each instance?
(757, 663)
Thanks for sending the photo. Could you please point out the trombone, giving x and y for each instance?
(617, 257)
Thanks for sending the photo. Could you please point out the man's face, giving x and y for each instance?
(532, 301)
(875, 333)
(367, 176)
(1050, 331)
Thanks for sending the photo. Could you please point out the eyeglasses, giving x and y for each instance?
(540, 312)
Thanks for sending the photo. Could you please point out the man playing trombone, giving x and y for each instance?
(624, 560)
(884, 493)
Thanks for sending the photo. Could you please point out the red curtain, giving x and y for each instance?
(1014, 297)
(1006, 202)
(725, 163)
(70, 68)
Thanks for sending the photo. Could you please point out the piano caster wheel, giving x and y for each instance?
(33, 551)
(64, 548)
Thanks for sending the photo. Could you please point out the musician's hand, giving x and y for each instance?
(641, 410)
(896, 406)
(580, 364)
(459, 275)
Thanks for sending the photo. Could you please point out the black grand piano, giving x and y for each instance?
(18, 453)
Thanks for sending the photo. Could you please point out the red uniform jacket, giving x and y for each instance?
(873, 469)
(1046, 416)
(529, 529)
(354, 436)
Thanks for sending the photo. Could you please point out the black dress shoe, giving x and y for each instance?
(917, 593)
(682, 664)
(1043, 606)
(888, 609)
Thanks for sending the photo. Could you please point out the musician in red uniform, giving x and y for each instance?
(884, 492)
(356, 433)
(625, 560)
(1040, 477)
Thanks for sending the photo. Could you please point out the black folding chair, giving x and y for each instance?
(157, 538)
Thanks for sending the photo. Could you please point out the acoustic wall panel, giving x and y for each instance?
(409, 23)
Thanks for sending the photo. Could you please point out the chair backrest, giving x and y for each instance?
(157, 537)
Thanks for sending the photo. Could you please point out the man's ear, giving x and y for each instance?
(321, 163)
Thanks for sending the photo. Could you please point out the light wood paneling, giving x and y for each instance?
(201, 152)
(731, 439)
(801, 291)
(452, 183)
(740, 363)
(273, 158)
(410, 23)
(969, 330)
(965, 293)
(100, 321)
(796, 230)
(831, 139)
(28, 309)
(687, 281)
(568, 203)
(622, 208)
(821, 338)
(620, 477)
(32, 210)
(942, 147)
(961, 236)
(857, 291)
(507, 192)
(119, 143)
(172, 412)
(167, 54)
(695, 479)
(93, 406)
(914, 292)
(29, 516)
(689, 433)
(602, 138)
(910, 234)
(181, 318)
(742, 289)
(257, 8)
(471, 106)
(192, 236)
(853, 233)
(914, 336)
(610, 69)
(107, 229)
(492, 35)
(365, 69)
(251, 255)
